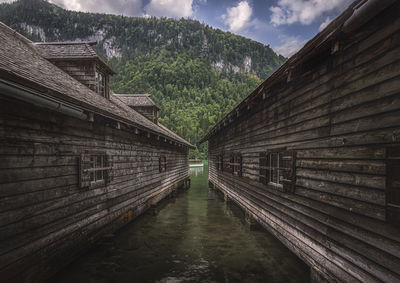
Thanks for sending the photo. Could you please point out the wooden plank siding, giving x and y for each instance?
(149, 111)
(82, 71)
(46, 219)
(339, 117)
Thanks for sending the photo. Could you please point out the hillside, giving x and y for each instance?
(194, 72)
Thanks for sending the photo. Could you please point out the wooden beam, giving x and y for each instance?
(91, 117)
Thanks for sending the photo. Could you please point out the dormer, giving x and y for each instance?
(143, 104)
(80, 61)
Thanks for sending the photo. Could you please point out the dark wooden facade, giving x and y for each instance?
(150, 113)
(313, 154)
(53, 204)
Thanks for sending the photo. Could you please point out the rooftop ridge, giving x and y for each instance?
(134, 94)
(90, 43)
(12, 32)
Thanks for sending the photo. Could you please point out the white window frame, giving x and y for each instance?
(97, 169)
(275, 170)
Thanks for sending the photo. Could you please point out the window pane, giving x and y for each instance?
(101, 84)
(99, 161)
(274, 178)
(280, 176)
(92, 162)
(393, 181)
(274, 159)
(92, 177)
(97, 82)
(272, 165)
(280, 167)
(99, 175)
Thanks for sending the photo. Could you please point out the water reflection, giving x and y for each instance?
(194, 237)
(196, 171)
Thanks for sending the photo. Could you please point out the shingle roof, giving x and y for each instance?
(66, 49)
(70, 50)
(139, 100)
(20, 59)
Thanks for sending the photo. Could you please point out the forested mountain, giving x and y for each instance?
(194, 72)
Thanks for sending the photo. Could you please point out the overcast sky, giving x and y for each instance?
(286, 25)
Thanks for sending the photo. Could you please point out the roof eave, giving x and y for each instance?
(106, 65)
(44, 92)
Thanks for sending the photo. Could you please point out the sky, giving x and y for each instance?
(284, 25)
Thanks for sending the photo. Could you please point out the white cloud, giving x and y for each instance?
(290, 45)
(325, 23)
(119, 7)
(170, 8)
(238, 17)
(303, 11)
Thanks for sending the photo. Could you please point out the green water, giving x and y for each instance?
(193, 237)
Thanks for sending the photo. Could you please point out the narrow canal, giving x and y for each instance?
(193, 237)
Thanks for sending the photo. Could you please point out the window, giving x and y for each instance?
(162, 164)
(231, 164)
(235, 164)
(100, 83)
(97, 172)
(220, 162)
(277, 169)
(95, 169)
(238, 165)
(393, 185)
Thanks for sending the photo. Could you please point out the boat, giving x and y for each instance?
(195, 163)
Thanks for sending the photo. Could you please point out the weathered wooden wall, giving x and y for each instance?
(45, 218)
(147, 112)
(82, 71)
(340, 113)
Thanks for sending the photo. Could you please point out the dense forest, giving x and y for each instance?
(195, 73)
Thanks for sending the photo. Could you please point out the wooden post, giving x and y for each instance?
(251, 222)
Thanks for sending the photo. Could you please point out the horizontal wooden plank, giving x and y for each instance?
(354, 166)
(368, 181)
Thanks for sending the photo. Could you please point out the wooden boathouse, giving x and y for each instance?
(313, 154)
(76, 161)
